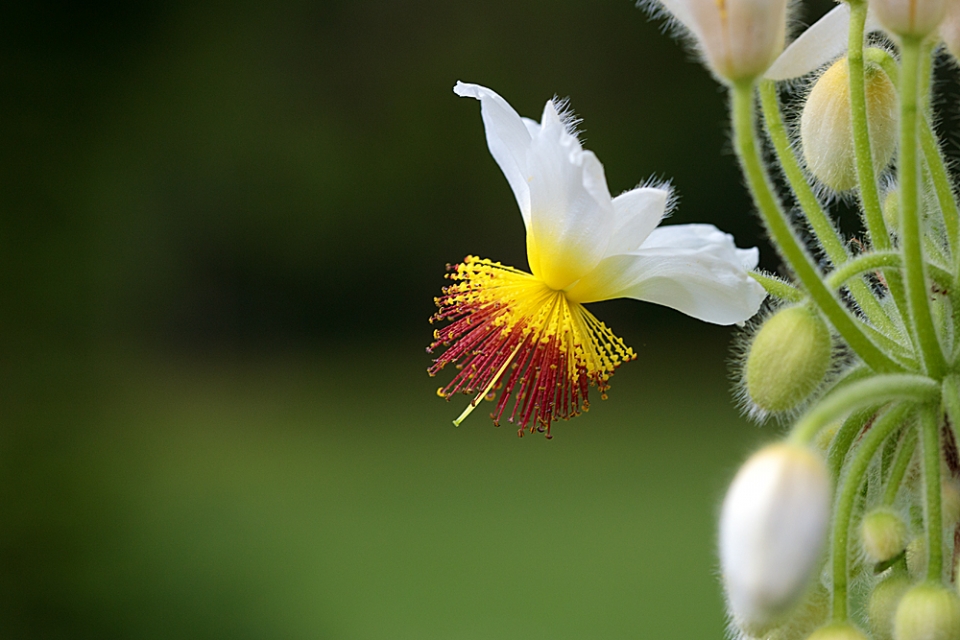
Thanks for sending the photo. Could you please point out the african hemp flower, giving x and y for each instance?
(528, 335)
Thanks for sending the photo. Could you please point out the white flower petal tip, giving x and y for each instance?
(693, 268)
(821, 43)
(773, 526)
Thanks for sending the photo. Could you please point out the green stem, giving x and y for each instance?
(930, 428)
(900, 465)
(876, 260)
(778, 288)
(910, 235)
(844, 439)
(951, 402)
(783, 236)
(820, 223)
(849, 492)
(866, 177)
(872, 392)
(932, 153)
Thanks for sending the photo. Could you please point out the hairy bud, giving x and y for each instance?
(927, 612)
(883, 604)
(772, 529)
(739, 39)
(884, 534)
(826, 127)
(788, 359)
(912, 18)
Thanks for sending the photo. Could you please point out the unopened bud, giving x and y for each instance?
(912, 18)
(788, 359)
(772, 529)
(826, 128)
(884, 534)
(838, 631)
(927, 612)
(739, 39)
(883, 604)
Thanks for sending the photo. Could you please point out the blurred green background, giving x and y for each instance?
(222, 228)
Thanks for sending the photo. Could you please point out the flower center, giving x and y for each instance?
(510, 332)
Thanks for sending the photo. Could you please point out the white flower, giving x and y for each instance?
(821, 43)
(739, 38)
(594, 247)
(582, 246)
(772, 530)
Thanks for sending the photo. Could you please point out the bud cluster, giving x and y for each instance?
(861, 352)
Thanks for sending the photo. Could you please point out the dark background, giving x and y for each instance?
(222, 226)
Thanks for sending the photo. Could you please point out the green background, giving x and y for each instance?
(222, 227)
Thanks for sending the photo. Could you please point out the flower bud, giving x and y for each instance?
(883, 604)
(838, 631)
(927, 612)
(772, 528)
(912, 18)
(884, 534)
(739, 39)
(826, 128)
(788, 359)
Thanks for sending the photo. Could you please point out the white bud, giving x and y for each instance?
(826, 128)
(740, 39)
(772, 529)
(912, 18)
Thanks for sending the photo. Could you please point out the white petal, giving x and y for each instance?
(822, 42)
(636, 213)
(686, 267)
(571, 209)
(508, 138)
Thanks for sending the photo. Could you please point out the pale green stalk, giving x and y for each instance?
(930, 430)
(910, 233)
(872, 392)
(882, 428)
(845, 438)
(939, 176)
(778, 288)
(951, 402)
(866, 177)
(820, 223)
(876, 260)
(900, 465)
(783, 236)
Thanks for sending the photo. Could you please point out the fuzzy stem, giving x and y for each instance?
(823, 229)
(778, 288)
(866, 177)
(844, 439)
(873, 391)
(951, 402)
(900, 465)
(910, 234)
(930, 428)
(849, 491)
(787, 243)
